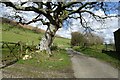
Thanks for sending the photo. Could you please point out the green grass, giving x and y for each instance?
(62, 42)
(15, 34)
(97, 53)
(59, 60)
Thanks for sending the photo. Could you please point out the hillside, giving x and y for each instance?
(13, 32)
(14, 23)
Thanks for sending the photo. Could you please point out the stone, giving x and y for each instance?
(27, 57)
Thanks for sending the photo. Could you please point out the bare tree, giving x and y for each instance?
(56, 13)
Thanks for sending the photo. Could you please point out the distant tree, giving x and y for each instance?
(77, 39)
(92, 38)
(99, 40)
(55, 13)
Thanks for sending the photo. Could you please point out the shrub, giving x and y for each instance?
(77, 39)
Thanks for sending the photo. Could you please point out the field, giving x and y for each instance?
(59, 60)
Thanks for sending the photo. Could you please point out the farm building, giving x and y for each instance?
(117, 40)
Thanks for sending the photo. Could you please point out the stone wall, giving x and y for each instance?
(117, 39)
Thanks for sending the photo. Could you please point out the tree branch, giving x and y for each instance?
(39, 11)
(94, 15)
(81, 7)
(70, 4)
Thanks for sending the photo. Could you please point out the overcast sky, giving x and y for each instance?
(105, 30)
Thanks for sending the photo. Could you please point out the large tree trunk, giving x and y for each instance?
(47, 40)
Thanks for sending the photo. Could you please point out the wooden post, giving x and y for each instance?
(106, 46)
(2, 45)
(21, 48)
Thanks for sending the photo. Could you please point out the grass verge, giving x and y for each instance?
(97, 53)
(59, 60)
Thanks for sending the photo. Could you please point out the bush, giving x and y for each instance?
(77, 39)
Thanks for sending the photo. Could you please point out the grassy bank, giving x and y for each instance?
(15, 34)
